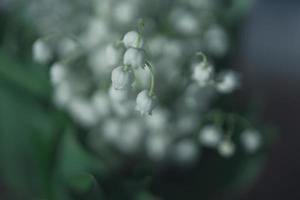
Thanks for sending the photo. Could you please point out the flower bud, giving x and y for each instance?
(202, 74)
(157, 146)
(251, 140)
(185, 151)
(210, 136)
(57, 73)
(41, 52)
(134, 57)
(133, 39)
(145, 103)
(122, 79)
(229, 81)
(83, 112)
(226, 148)
(101, 103)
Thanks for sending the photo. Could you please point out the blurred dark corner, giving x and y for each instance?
(270, 56)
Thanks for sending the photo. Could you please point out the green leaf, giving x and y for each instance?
(81, 182)
(31, 78)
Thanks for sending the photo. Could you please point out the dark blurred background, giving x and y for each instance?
(270, 56)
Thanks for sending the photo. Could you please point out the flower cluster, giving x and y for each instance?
(134, 58)
(101, 83)
(204, 75)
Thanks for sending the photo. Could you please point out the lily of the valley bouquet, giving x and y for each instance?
(147, 84)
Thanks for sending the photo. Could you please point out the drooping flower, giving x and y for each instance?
(41, 52)
(229, 81)
(216, 40)
(156, 146)
(210, 136)
(122, 79)
(202, 74)
(134, 57)
(186, 151)
(145, 102)
(226, 148)
(83, 112)
(101, 103)
(133, 39)
(251, 140)
(57, 73)
(131, 137)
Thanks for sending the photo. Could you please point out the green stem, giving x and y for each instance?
(126, 67)
(203, 57)
(141, 26)
(231, 126)
(152, 85)
(246, 123)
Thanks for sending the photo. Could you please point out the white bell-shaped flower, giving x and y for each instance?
(101, 103)
(226, 148)
(66, 47)
(134, 57)
(131, 136)
(185, 151)
(58, 73)
(202, 74)
(145, 103)
(41, 52)
(118, 96)
(229, 81)
(83, 112)
(122, 79)
(251, 140)
(133, 39)
(111, 130)
(184, 21)
(124, 13)
(216, 40)
(157, 145)
(210, 136)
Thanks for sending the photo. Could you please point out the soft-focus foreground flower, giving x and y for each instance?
(226, 148)
(210, 136)
(41, 52)
(229, 81)
(251, 140)
(186, 151)
(57, 73)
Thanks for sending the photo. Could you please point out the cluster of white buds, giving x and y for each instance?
(204, 75)
(213, 136)
(42, 53)
(134, 58)
(101, 89)
(133, 40)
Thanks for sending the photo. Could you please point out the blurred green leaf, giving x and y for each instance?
(24, 75)
(81, 182)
